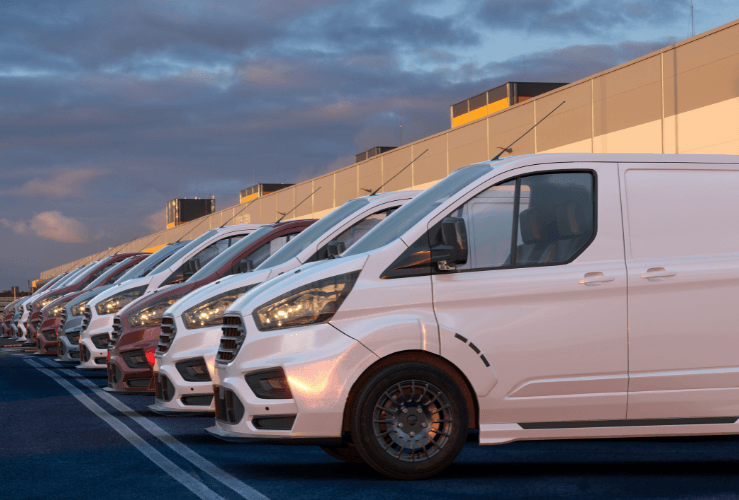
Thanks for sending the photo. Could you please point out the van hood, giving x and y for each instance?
(120, 287)
(291, 280)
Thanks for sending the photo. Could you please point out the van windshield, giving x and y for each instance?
(145, 266)
(419, 207)
(102, 278)
(230, 252)
(314, 232)
(182, 252)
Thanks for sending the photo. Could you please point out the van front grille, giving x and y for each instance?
(232, 337)
(87, 318)
(169, 330)
(115, 334)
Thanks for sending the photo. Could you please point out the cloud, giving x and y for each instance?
(583, 17)
(62, 185)
(156, 221)
(51, 226)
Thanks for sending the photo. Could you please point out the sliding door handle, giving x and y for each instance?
(657, 274)
(595, 279)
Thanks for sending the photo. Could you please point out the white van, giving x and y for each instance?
(186, 343)
(100, 311)
(536, 297)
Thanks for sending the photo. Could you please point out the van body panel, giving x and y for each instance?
(387, 316)
(521, 320)
(321, 365)
(465, 355)
(682, 255)
(632, 334)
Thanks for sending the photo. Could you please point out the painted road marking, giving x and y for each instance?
(198, 488)
(244, 490)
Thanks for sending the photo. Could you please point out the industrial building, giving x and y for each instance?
(183, 210)
(681, 99)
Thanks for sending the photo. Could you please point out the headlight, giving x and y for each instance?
(151, 315)
(57, 310)
(116, 302)
(316, 302)
(79, 309)
(210, 312)
(48, 300)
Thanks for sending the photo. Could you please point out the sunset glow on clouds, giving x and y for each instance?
(110, 109)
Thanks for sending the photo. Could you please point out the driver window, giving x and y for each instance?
(200, 259)
(262, 253)
(489, 221)
(353, 234)
(553, 221)
(100, 273)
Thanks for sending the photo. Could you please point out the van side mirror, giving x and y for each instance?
(335, 248)
(246, 267)
(453, 251)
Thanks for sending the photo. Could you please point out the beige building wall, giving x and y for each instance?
(681, 99)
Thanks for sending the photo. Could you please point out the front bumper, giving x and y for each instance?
(123, 378)
(320, 363)
(47, 342)
(174, 394)
(93, 356)
(68, 350)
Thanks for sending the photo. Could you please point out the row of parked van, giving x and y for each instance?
(534, 297)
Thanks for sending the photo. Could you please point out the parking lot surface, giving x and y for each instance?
(63, 437)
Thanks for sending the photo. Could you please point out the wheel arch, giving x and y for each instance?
(423, 357)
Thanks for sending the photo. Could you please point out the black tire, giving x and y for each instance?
(346, 452)
(431, 417)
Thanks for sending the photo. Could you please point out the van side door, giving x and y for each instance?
(540, 306)
(682, 257)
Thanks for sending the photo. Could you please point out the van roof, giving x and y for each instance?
(612, 157)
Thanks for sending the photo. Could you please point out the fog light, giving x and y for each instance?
(269, 384)
(135, 359)
(193, 370)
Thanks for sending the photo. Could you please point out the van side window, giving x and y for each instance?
(200, 259)
(351, 235)
(553, 221)
(260, 254)
(489, 221)
(556, 220)
(100, 273)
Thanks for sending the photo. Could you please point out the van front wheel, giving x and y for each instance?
(409, 421)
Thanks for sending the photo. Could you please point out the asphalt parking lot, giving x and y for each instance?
(62, 437)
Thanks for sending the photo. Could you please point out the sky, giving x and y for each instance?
(109, 109)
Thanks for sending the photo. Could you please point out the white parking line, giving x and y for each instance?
(244, 490)
(178, 474)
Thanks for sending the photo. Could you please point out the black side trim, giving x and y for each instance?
(475, 348)
(644, 422)
(458, 336)
(484, 360)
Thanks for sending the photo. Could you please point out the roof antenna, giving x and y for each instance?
(296, 206)
(205, 217)
(149, 243)
(508, 149)
(394, 176)
(234, 216)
